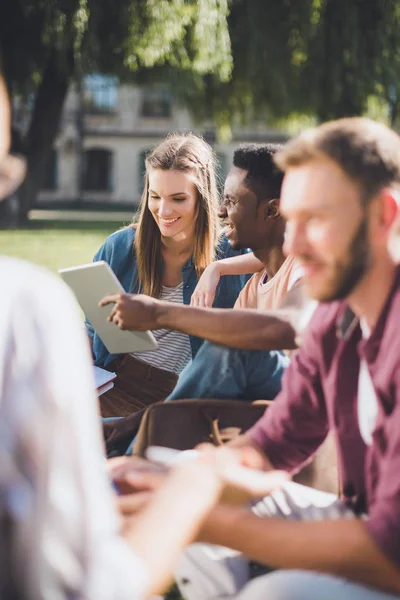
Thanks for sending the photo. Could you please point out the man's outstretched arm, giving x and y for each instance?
(340, 547)
(246, 329)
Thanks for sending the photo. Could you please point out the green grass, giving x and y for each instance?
(56, 244)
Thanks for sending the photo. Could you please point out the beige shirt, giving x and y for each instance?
(269, 295)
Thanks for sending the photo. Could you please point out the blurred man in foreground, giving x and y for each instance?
(339, 199)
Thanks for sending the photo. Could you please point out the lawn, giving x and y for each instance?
(56, 244)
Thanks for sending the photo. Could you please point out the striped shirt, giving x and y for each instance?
(174, 351)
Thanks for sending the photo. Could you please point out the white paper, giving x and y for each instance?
(101, 376)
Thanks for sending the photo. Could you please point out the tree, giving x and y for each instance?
(388, 87)
(47, 44)
(228, 60)
(323, 58)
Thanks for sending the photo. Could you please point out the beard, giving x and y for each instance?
(348, 273)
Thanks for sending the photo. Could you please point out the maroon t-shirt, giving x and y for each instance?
(319, 393)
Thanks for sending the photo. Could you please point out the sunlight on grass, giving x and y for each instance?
(56, 244)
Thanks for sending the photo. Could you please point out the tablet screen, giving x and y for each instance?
(91, 283)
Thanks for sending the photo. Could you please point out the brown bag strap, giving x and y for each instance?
(215, 432)
(221, 436)
(262, 402)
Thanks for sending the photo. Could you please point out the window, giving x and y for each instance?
(50, 179)
(99, 93)
(156, 104)
(98, 170)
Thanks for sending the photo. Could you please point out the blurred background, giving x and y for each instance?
(95, 84)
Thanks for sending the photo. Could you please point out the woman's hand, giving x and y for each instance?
(136, 480)
(133, 474)
(204, 294)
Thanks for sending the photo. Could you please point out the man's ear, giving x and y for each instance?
(272, 209)
(389, 208)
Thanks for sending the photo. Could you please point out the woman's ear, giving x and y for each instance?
(272, 209)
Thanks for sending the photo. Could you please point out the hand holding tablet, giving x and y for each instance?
(91, 283)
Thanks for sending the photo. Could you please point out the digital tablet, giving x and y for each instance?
(91, 283)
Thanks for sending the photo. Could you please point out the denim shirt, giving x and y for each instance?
(118, 251)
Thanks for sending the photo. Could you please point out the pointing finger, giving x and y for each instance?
(110, 299)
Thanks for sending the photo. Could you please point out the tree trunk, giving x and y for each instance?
(393, 107)
(43, 130)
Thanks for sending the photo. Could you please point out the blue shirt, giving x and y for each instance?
(118, 251)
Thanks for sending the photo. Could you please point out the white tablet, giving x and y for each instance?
(91, 283)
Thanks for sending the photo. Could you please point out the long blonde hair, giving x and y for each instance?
(191, 154)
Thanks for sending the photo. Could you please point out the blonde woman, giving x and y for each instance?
(176, 238)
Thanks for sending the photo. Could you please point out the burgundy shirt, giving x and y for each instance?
(319, 393)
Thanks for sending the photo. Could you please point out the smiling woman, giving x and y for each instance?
(176, 238)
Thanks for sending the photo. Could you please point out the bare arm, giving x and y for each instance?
(239, 265)
(341, 547)
(247, 329)
(240, 328)
(204, 293)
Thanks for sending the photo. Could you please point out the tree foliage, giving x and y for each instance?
(322, 58)
(225, 59)
(48, 43)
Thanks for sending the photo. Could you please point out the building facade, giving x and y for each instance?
(106, 131)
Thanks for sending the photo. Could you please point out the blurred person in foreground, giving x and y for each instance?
(60, 532)
(339, 199)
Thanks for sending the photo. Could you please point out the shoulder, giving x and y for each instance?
(248, 295)
(290, 272)
(318, 340)
(388, 325)
(295, 271)
(121, 238)
(255, 280)
(117, 246)
(393, 305)
(325, 319)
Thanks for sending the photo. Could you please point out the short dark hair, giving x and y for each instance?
(263, 176)
(366, 151)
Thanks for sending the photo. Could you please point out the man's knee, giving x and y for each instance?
(207, 572)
